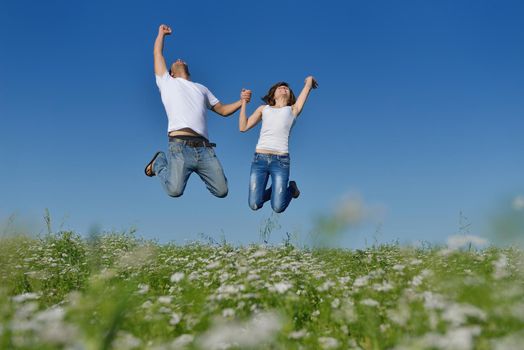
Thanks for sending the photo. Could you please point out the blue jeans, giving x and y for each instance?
(263, 166)
(174, 170)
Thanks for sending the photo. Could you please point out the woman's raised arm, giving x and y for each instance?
(309, 83)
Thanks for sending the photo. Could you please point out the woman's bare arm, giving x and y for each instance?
(244, 123)
(309, 83)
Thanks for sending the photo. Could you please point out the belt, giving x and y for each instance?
(193, 143)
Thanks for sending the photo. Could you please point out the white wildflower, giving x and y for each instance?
(259, 253)
(164, 310)
(361, 281)
(252, 277)
(54, 314)
(57, 333)
(348, 311)
(143, 288)
(384, 287)
(228, 313)
(136, 258)
(370, 302)
(147, 304)
(509, 342)
(26, 310)
(344, 279)
(213, 265)
(401, 315)
(500, 267)
(335, 303)
(326, 286)
(175, 319)
(177, 277)
(319, 274)
(457, 314)
(260, 329)
(328, 342)
(433, 301)
(456, 339)
(166, 299)
(398, 267)
(224, 277)
(126, 340)
(282, 287)
(24, 297)
(415, 262)
(297, 334)
(416, 281)
(517, 310)
(182, 341)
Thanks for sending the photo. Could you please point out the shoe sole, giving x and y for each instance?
(151, 163)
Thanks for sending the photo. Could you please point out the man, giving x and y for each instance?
(186, 104)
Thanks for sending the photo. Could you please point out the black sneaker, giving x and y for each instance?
(294, 189)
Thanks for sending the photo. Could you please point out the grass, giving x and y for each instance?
(116, 291)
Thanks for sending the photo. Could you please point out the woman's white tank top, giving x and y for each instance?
(276, 127)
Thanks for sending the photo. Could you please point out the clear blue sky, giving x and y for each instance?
(420, 111)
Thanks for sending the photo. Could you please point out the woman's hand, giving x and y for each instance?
(245, 95)
(311, 82)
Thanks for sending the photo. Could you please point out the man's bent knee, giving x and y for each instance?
(221, 193)
(174, 191)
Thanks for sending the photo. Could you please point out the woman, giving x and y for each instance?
(278, 116)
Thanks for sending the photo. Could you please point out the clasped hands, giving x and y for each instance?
(245, 95)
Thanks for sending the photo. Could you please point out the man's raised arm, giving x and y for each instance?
(160, 62)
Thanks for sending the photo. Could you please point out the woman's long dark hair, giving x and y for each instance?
(270, 96)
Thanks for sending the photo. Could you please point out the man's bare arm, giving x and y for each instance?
(160, 62)
(229, 109)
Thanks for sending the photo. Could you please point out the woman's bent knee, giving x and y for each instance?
(277, 208)
(255, 205)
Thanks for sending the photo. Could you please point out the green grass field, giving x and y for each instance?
(115, 291)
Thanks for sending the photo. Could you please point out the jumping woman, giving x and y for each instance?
(278, 116)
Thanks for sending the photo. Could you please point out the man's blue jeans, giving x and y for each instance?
(175, 169)
(263, 166)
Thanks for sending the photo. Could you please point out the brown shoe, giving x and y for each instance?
(149, 167)
(294, 189)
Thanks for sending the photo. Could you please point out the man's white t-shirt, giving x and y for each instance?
(186, 103)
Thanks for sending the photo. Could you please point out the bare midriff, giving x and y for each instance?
(266, 151)
(184, 132)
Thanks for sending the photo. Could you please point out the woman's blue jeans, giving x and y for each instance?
(262, 167)
(174, 170)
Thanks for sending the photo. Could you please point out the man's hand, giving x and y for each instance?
(160, 62)
(245, 95)
(311, 82)
(164, 30)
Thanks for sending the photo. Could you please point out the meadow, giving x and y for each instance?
(117, 291)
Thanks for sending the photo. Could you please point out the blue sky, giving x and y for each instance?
(420, 112)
